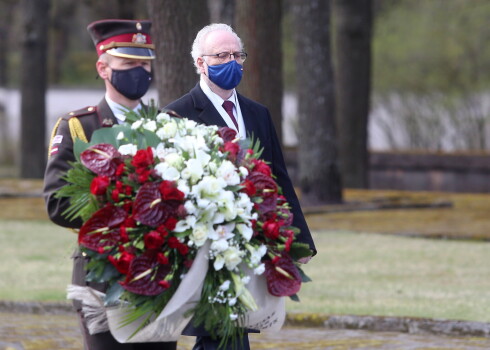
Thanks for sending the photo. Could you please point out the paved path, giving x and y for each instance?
(23, 331)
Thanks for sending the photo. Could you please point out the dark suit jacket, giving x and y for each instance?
(195, 105)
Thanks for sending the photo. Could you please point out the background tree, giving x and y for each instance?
(353, 22)
(175, 25)
(33, 87)
(222, 11)
(319, 174)
(258, 23)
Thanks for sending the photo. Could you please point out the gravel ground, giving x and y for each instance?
(25, 331)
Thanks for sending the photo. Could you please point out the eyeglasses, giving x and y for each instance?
(222, 56)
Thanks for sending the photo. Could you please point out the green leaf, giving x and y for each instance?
(113, 294)
(299, 250)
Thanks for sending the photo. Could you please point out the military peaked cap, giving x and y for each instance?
(123, 38)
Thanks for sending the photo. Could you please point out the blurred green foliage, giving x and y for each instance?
(432, 45)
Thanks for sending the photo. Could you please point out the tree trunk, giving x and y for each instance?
(353, 23)
(62, 21)
(33, 87)
(317, 150)
(6, 18)
(175, 25)
(258, 23)
(222, 11)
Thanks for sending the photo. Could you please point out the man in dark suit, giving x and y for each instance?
(218, 57)
(125, 52)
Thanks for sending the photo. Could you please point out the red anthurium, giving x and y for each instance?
(99, 185)
(283, 277)
(101, 229)
(266, 188)
(149, 208)
(249, 188)
(144, 276)
(103, 159)
(227, 134)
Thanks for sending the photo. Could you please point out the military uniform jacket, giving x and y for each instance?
(61, 153)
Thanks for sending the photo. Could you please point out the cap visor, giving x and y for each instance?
(132, 52)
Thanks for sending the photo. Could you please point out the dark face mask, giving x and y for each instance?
(131, 83)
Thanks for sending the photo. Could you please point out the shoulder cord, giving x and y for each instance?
(76, 132)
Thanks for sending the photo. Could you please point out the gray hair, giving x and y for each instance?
(197, 49)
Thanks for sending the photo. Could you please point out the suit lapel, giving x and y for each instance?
(251, 123)
(104, 112)
(206, 111)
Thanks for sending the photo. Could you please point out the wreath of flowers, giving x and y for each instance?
(152, 191)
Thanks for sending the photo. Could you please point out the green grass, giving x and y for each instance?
(35, 260)
(353, 273)
(385, 275)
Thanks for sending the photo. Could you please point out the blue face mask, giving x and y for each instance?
(227, 75)
(131, 83)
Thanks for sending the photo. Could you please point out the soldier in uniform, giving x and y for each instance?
(125, 52)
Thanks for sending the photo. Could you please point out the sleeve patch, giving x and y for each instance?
(54, 151)
(57, 139)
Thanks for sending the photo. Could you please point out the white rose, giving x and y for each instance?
(167, 172)
(193, 171)
(183, 225)
(128, 149)
(150, 125)
(199, 234)
(167, 131)
(175, 160)
(161, 117)
(227, 172)
(233, 257)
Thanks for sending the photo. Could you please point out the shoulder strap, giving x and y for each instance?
(76, 130)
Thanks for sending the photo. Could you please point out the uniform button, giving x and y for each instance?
(90, 109)
(71, 113)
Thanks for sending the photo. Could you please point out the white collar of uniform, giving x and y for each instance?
(119, 110)
(217, 101)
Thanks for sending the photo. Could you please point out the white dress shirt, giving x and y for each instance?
(119, 110)
(217, 101)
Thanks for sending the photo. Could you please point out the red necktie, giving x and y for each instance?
(228, 106)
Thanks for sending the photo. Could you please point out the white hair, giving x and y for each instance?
(197, 49)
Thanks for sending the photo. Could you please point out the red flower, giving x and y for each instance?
(232, 148)
(169, 191)
(143, 158)
(164, 284)
(249, 188)
(122, 264)
(115, 195)
(149, 272)
(261, 167)
(162, 258)
(283, 277)
(153, 240)
(271, 229)
(227, 134)
(99, 185)
(170, 223)
(102, 159)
